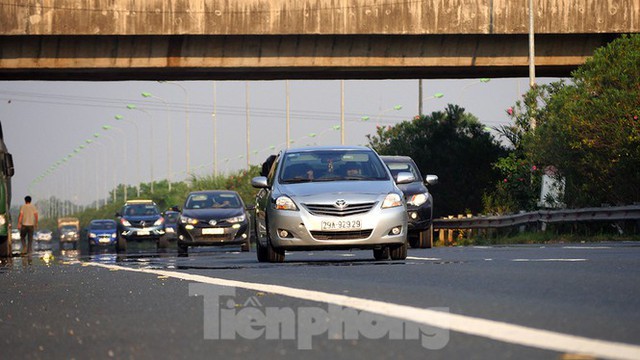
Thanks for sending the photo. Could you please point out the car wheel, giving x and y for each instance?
(121, 245)
(261, 252)
(398, 252)
(163, 243)
(183, 250)
(274, 255)
(246, 246)
(91, 247)
(426, 238)
(381, 254)
(5, 246)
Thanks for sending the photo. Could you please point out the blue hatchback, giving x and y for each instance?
(102, 232)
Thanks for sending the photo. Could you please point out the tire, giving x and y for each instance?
(261, 252)
(398, 252)
(422, 239)
(5, 246)
(121, 245)
(381, 254)
(92, 247)
(183, 250)
(274, 255)
(162, 243)
(246, 247)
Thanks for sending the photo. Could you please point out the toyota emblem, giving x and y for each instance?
(341, 204)
(212, 222)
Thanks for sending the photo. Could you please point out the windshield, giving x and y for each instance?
(171, 217)
(140, 210)
(331, 165)
(213, 201)
(397, 167)
(68, 228)
(103, 225)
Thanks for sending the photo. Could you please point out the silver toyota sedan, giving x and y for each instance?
(329, 198)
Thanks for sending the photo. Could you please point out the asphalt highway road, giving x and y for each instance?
(508, 302)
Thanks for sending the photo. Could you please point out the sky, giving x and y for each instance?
(46, 121)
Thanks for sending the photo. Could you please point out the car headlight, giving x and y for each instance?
(285, 203)
(418, 199)
(237, 219)
(159, 222)
(125, 222)
(188, 220)
(114, 235)
(392, 200)
(3, 219)
(92, 235)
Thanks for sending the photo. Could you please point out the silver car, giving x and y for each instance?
(326, 198)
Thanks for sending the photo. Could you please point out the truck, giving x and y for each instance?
(6, 172)
(69, 230)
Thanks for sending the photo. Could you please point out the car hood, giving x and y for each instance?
(208, 214)
(330, 191)
(413, 188)
(151, 218)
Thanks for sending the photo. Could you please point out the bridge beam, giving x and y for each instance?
(248, 57)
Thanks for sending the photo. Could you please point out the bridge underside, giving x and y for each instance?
(268, 57)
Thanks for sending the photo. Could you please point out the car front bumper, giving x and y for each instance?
(213, 236)
(302, 230)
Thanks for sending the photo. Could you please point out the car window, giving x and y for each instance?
(398, 167)
(140, 210)
(212, 201)
(103, 225)
(331, 165)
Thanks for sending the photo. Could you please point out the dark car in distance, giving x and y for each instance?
(102, 233)
(419, 200)
(213, 218)
(171, 218)
(139, 220)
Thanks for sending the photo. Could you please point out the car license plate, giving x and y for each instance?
(340, 225)
(213, 231)
(104, 241)
(143, 233)
(169, 230)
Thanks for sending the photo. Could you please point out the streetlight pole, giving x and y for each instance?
(187, 130)
(215, 132)
(152, 159)
(288, 118)
(169, 145)
(124, 172)
(248, 127)
(532, 57)
(104, 165)
(341, 112)
(121, 118)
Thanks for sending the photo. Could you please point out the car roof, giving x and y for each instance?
(213, 192)
(326, 148)
(396, 158)
(102, 220)
(133, 202)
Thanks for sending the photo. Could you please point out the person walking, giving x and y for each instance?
(27, 224)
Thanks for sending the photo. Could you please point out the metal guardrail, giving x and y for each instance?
(617, 213)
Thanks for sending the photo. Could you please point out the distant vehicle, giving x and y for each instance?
(16, 243)
(419, 200)
(329, 198)
(139, 220)
(102, 232)
(44, 235)
(6, 172)
(213, 218)
(69, 230)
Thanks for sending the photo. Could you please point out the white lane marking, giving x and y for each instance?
(549, 260)
(586, 247)
(422, 258)
(495, 330)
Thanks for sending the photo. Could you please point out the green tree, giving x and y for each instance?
(590, 129)
(451, 144)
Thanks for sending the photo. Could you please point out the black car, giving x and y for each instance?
(419, 200)
(139, 220)
(171, 218)
(213, 218)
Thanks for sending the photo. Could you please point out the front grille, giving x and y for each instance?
(332, 210)
(341, 235)
(139, 224)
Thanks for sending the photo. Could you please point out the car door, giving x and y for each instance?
(263, 202)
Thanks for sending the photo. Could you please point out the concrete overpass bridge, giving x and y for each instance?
(298, 39)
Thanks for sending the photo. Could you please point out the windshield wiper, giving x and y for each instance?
(293, 181)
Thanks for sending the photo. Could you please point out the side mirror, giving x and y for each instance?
(405, 178)
(259, 182)
(118, 214)
(431, 179)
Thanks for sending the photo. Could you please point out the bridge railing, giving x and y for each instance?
(540, 219)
